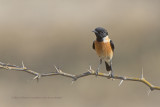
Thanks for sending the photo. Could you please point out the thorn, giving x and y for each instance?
(22, 64)
(38, 76)
(56, 68)
(121, 82)
(72, 82)
(90, 68)
(142, 77)
(148, 92)
(35, 77)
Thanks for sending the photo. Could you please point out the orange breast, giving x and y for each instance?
(104, 49)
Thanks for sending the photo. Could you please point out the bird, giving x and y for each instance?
(104, 48)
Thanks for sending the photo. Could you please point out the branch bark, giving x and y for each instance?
(76, 77)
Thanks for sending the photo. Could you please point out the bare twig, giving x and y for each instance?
(75, 77)
(18, 68)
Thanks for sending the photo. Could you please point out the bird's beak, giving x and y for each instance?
(94, 31)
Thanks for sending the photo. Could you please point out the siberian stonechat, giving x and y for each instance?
(104, 48)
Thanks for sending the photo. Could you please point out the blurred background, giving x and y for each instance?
(44, 33)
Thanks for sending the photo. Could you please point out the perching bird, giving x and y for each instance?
(104, 48)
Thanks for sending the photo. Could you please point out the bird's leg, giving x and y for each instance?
(111, 71)
(98, 67)
(111, 74)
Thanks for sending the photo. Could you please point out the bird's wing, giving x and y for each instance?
(93, 46)
(112, 45)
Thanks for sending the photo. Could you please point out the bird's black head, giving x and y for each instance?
(100, 33)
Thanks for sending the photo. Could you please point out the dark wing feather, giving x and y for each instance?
(93, 46)
(112, 45)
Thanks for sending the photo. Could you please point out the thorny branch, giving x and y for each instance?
(75, 77)
(18, 68)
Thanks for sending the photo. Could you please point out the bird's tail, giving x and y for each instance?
(108, 67)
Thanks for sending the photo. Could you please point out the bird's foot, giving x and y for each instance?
(111, 75)
(97, 72)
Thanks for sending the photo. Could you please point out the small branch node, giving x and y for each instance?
(124, 78)
(152, 87)
(89, 71)
(74, 78)
(38, 76)
(8, 68)
(60, 71)
(23, 66)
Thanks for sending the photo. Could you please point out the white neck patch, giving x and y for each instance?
(106, 39)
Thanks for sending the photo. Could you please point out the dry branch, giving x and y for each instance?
(75, 77)
(18, 68)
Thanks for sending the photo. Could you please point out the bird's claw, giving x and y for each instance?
(111, 75)
(97, 72)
